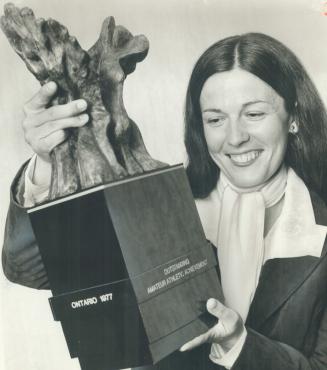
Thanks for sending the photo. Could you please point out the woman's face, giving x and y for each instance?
(245, 126)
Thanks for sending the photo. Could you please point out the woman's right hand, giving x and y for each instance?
(45, 127)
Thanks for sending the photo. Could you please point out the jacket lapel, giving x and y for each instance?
(281, 277)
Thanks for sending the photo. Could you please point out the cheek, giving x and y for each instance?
(278, 137)
(276, 141)
(215, 139)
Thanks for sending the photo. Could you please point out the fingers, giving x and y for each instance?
(216, 308)
(48, 143)
(43, 147)
(44, 127)
(226, 316)
(36, 112)
(41, 99)
(214, 334)
(197, 341)
(50, 127)
(58, 112)
(227, 330)
(35, 134)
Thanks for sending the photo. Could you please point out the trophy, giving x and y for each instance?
(127, 260)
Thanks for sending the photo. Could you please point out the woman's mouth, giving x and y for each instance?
(244, 159)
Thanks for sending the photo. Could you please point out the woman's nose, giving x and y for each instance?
(237, 134)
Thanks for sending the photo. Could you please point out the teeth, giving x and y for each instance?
(246, 157)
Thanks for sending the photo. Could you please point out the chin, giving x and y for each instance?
(248, 180)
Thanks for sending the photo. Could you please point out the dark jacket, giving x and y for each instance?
(287, 322)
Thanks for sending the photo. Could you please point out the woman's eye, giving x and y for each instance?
(216, 121)
(255, 115)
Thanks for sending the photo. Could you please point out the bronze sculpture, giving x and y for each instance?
(110, 145)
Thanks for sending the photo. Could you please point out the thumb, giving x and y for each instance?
(42, 98)
(215, 308)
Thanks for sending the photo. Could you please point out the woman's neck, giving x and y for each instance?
(272, 214)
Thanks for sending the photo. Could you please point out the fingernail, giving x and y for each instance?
(81, 104)
(183, 348)
(84, 118)
(211, 303)
(51, 86)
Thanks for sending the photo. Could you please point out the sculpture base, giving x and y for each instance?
(129, 268)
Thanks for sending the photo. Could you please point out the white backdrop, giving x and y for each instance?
(178, 31)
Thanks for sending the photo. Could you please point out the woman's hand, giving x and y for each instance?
(44, 128)
(226, 332)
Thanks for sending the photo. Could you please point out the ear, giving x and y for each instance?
(293, 127)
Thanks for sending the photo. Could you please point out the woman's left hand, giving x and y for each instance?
(226, 332)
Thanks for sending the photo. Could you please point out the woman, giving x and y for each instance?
(256, 141)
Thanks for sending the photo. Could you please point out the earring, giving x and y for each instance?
(294, 128)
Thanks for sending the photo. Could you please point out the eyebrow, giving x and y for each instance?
(215, 110)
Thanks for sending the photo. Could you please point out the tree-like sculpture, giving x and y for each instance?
(110, 145)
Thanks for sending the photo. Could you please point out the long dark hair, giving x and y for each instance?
(277, 65)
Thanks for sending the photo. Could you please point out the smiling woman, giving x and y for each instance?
(256, 137)
(245, 126)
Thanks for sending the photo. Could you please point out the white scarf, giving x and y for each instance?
(241, 237)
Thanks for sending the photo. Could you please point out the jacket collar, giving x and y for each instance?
(281, 277)
(296, 232)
